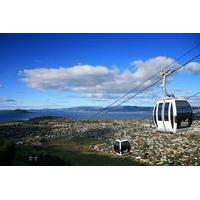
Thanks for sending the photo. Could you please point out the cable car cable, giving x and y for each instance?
(128, 92)
(161, 78)
(156, 82)
(187, 52)
(193, 95)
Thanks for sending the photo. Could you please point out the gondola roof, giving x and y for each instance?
(118, 140)
(173, 98)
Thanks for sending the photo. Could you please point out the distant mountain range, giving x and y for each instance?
(110, 109)
(93, 109)
(15, 111)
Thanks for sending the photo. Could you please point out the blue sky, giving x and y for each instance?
(66, 70)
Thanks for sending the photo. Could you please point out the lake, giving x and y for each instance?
(76, 115)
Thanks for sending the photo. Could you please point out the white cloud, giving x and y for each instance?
(192, 67)
(96, 81)
(67, 78)
(151, 66)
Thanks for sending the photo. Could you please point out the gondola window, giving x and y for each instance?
(159, 112)
(166, 112)
(154, 115)
(171, 116)
(184, 114)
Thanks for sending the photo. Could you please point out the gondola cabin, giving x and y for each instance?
(172, 114)
(122, 146)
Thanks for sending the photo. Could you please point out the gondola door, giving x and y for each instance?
(167, 116)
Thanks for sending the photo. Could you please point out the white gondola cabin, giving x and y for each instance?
(172, 114)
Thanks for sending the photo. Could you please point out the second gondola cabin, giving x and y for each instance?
(122, 146)
(172, 114)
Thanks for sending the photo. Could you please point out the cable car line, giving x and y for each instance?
(152, 84)
(151, 77)
(193, 95)
(159, 79)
